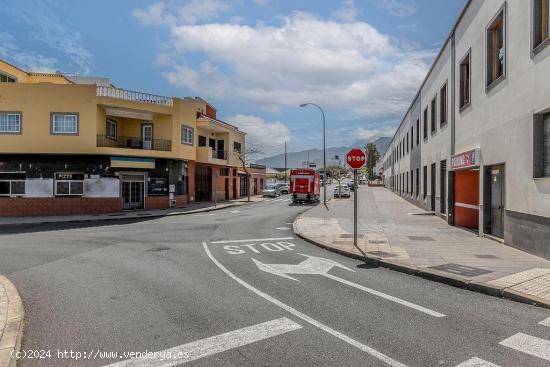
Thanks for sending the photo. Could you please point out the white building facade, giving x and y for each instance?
(480, 127)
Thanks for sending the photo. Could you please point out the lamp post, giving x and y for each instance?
(324, 152)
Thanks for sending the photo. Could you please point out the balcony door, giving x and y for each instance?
(147, 136)
(221, 148)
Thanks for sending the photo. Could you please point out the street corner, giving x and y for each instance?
(11, 322)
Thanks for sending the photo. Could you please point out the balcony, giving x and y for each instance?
(128, 95)
(219, 154)
(132, 142)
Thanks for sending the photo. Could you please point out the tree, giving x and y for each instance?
(337, 173)
(372, 157)
(246, 157)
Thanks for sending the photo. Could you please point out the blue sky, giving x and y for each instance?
(255, 60)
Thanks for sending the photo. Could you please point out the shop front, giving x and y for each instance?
(464, 198)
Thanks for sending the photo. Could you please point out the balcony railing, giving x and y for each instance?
(130, 142)
(129, 95)
(219, 154)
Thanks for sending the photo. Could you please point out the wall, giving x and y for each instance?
(13, 207)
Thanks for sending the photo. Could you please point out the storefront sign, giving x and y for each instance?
(66, 176)
(465, 160)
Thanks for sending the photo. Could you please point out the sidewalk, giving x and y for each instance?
(400, 236)
(190, 209)
(11, 322)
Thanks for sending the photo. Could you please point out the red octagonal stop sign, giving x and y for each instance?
(356, 158)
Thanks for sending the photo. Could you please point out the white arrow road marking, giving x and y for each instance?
(254, 240)
(365, 348)
(215, 344)
(529, 344)
(545, 322)
(477, 362)
(320, 266)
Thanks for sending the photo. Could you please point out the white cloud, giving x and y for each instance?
(27, 61)
(46, 26)
(371, 134)
(192, 12)
(348, 12)
(266, 136)
(351, 66)
(399, 8)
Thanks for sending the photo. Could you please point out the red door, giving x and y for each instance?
(467, 199)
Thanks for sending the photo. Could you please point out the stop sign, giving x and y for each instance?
(356, 158)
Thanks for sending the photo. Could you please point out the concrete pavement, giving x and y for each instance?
(401, 236)
(11, 322)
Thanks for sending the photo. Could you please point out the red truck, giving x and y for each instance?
(304, 185)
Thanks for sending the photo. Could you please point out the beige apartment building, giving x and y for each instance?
(72, 144)
(474, 147)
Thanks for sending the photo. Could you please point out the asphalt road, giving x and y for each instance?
(236, 287)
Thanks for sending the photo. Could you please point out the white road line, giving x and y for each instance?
(283, 228)
(254, 240)
(529, 344)
(365, 348)
(477, 362)
(234, 211)
(386, 296)
(213, 345)
(545, 322)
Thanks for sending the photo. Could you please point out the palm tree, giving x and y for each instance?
(372, 157)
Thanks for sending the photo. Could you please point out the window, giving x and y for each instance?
(407, 182)
(12, 183)
(433, 116)
(202, 141)
(547, 145)
(495, 48)
(110, 129)
(10, 123)
(6, 78)
(465, 81)
(64, 123)
(69, 184)
(417, 131)
(426, 123)
(224, 171)
(417, 182)
(412, 137)
(443, 105)
(412, 183)
(236, 147)
(425, 181)
(541, 23)
(186, 135)
(407, 143)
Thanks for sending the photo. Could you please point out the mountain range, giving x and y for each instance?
(297, 159)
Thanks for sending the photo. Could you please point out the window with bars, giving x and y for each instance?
(10, 122)
(64, 123)
(186, 135)
(495, 48)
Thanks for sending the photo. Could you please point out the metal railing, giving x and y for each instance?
(219, 154)
(129, 95)
(132, 142)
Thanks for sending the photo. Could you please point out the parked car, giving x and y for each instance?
(284, 188)
(272, 190)
(351, 186)
(342, 191)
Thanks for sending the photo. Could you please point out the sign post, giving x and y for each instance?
(356, 160)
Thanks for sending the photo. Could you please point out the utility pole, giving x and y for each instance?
(285, 161)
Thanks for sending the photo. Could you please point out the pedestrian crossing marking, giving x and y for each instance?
(529, 344)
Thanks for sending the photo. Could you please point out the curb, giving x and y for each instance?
(119, 218)
(433, 275)
(10, 339)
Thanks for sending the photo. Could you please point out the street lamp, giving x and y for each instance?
(324, 152)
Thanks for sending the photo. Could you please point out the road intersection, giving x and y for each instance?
(240, 289)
